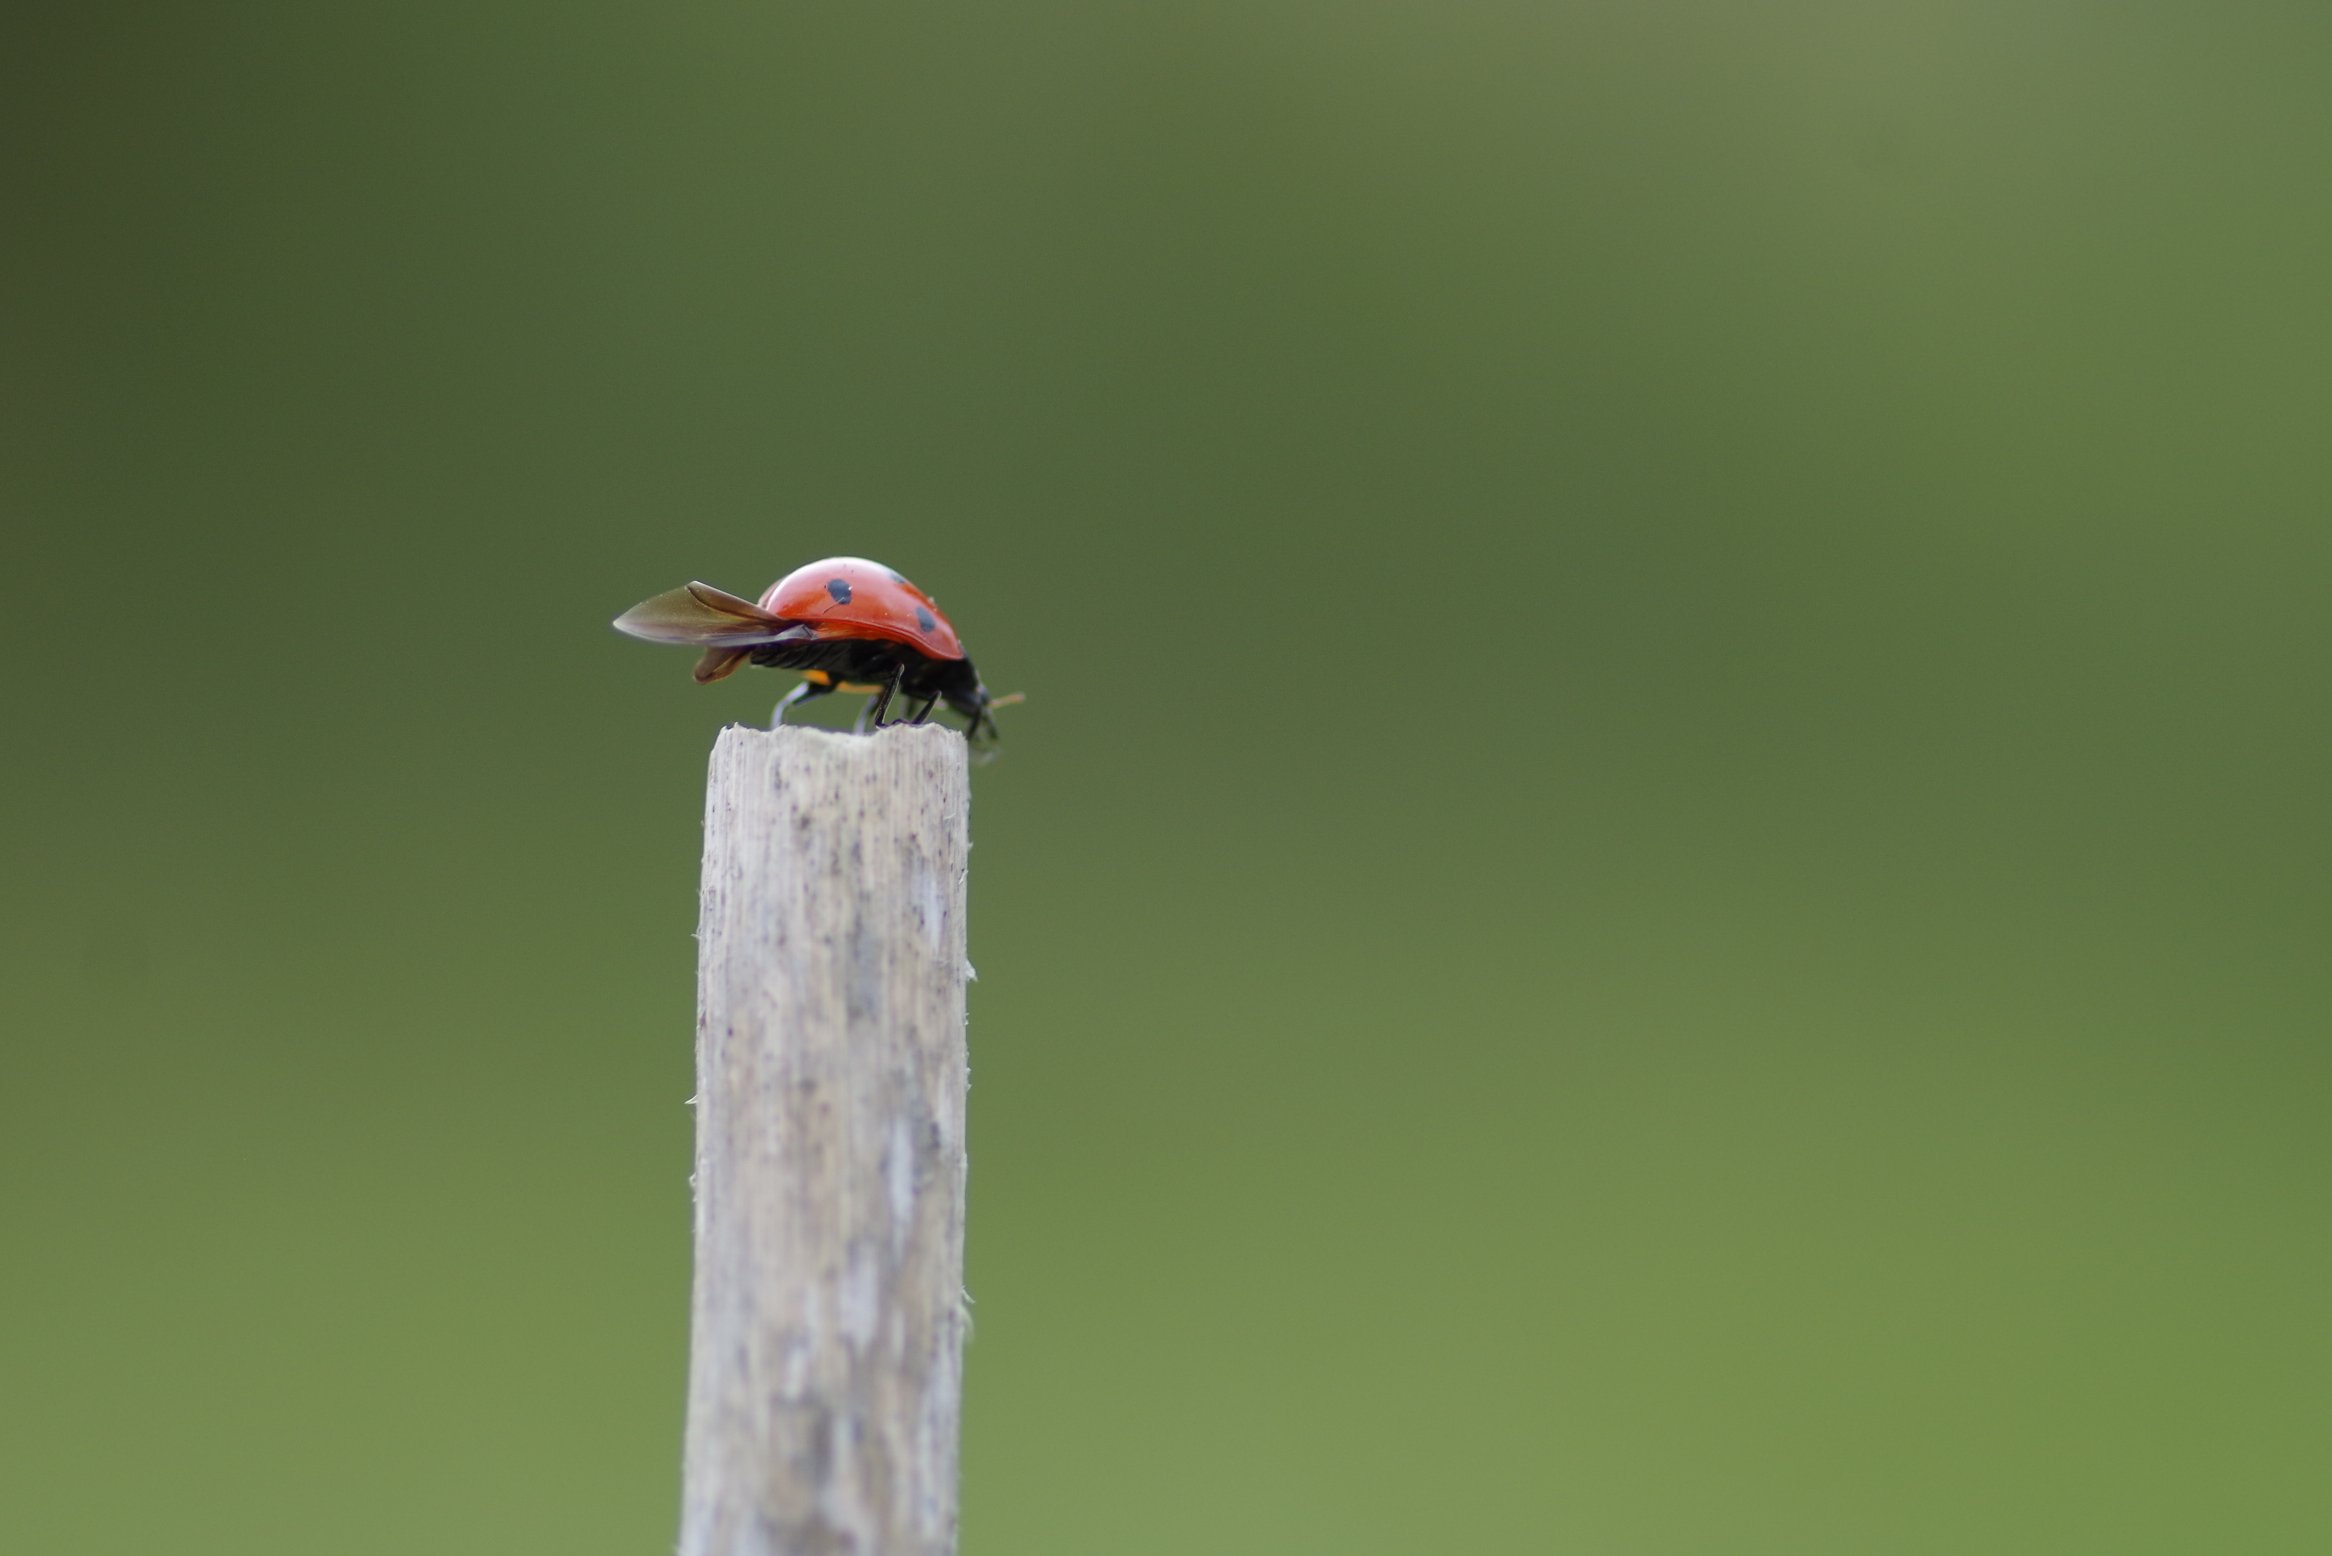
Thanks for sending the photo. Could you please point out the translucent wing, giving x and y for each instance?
(707, 618)
(718, 663)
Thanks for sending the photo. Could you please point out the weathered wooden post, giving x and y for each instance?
(827, 1327)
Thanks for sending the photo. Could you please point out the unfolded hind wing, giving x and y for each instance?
(705, 617)
(719, 663)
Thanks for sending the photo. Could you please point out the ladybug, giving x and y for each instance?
(847, 624)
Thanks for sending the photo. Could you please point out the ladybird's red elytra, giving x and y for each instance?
(846, 624)
(847, 596)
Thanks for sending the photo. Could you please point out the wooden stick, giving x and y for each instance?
(826, 1347)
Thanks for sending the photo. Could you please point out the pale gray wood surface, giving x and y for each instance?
(826, 1344)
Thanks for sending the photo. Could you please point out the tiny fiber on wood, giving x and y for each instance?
(826, 1340)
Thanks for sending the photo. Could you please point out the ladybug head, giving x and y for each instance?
(967, 696)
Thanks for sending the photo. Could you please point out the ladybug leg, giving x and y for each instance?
(924, 712)
(882, 703)
(802, 692)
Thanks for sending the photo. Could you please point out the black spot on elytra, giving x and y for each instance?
(923, 619)
(840, 589)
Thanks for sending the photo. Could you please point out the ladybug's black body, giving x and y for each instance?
(885, 668)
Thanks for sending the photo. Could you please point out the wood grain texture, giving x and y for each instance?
(826, 1347)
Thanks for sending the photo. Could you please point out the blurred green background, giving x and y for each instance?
(1663, 889)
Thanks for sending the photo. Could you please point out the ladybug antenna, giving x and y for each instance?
(1007, 701)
